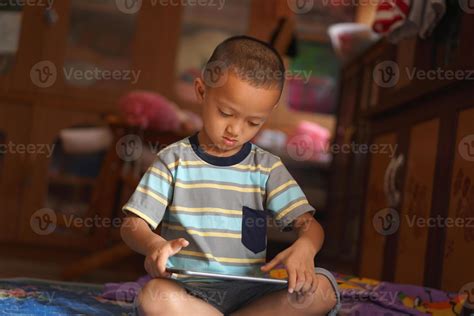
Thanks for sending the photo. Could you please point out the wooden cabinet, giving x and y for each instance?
(373, 239)
(15, 122)
(416, 205)
(404, 221)
(411, 197)
(459, 242)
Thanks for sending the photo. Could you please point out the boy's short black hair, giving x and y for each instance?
(252, 60)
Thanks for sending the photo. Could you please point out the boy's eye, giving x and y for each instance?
(224, 114)
(253, 124)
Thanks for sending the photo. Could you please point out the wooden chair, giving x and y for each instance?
(116, 182)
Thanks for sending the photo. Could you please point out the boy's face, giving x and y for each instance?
(234, 111)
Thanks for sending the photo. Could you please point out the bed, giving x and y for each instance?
(360, 296)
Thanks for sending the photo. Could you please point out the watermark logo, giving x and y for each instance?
(127, 293)
(467, 291)
(301, 6)
(386, 221)
(466, 148)
(43, 221)
(300, 147)
(467, 6)
(215, 74)
(43, 74)
(30, 3)
(386, 74)
(300, 300)
(129, 148)
(129, 6)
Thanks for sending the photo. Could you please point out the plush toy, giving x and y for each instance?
(153, 111)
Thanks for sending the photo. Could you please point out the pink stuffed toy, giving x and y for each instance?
(153, 111)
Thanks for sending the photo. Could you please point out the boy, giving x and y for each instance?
(213, 192)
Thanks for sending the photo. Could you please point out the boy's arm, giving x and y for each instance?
(136, 233)
(310, 233)
(145, 210)
(289, 206)
(299, 257)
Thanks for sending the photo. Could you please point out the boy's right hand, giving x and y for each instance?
(155, 260)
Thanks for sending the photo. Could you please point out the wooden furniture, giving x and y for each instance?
(62, 76)
(400, 200)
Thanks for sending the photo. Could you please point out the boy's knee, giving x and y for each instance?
(158, 297)
(325, 295)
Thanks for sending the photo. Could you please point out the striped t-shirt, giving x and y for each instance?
(221, 205)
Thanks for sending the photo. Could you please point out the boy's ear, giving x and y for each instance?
(199, 89)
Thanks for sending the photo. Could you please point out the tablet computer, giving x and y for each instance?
(265, 279)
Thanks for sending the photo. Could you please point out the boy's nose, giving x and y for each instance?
(234, 130)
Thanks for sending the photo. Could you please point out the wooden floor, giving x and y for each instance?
(23, 261)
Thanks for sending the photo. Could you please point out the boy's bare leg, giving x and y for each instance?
(165, 297)
(284, 304)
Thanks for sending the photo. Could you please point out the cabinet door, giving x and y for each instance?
(62, 178)
(13, 145)
(459, 243)
(375, 219)
(88, 51)
(340, 192)
(416, 205)
(10, 26)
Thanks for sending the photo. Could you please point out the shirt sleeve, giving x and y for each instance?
(153, 194)
(284, 198)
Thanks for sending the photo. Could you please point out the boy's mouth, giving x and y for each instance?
(228, 141)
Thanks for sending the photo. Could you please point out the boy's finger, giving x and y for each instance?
(270, 265)
(177, 244)
(161, 266)
(300, 280)
(291, 280)
(308, 282)
(314, 286)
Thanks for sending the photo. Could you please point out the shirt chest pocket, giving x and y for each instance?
(254, 229)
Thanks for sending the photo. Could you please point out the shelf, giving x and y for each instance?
(70, 180)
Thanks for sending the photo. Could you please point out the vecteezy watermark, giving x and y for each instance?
(31, 149)
(357, 295)
(303, 147)
(467, 292)
(467, 6)
(350, 3)
(301, 6)
(129, 147)
(127, 293)
(466, 148)
(44, 74)
(216, 74)
(440, 222)
(45, 221)
(30, 3)
(133, 6)
(439, 74)
(157, 296)
(387, 74)
(386, 221)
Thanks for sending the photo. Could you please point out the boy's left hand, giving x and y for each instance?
(299, 263)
